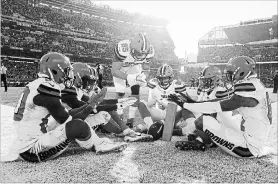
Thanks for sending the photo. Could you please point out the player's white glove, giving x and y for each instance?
(125, 102)
(137, 79)
(162, 103)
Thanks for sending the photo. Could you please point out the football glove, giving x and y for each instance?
(176, 99)
(137, 79)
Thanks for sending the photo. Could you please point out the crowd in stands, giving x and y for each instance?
(224, 53)
(30, 31)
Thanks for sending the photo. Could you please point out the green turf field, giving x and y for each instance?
(154, 162)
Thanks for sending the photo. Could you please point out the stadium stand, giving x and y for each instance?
(255, 38)
(83, 31)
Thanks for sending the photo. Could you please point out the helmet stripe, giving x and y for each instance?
(164, 69)
(144, 42)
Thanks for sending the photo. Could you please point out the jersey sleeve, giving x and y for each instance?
(49, 88)
(71, 91)
(224, 93)
(245, 90)
(180, 87)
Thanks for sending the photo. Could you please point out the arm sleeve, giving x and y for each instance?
(151, 99)
(230, 104)
(107, 108)
(86, 98)
(72, 101)
(53, 105)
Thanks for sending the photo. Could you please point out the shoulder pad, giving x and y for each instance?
(71, 91)
(152, 83)
(122, 49)
(179, 86)
(49, 88)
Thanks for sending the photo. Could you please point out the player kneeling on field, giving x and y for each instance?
(250, 99)
(130, 66)
(86, 83)
(41, 97)
(155, 109)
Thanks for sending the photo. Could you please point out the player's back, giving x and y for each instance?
(27, 115)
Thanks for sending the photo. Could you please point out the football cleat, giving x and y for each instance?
(130, 122)
(141, 128)
(139, 138)
(190, 145)
(107, 146)
(191, 137)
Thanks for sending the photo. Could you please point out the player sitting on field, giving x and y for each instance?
(106, 112)
(250, 98)
(210, 87)
(34, 143)
(132, 58)
(155, 109)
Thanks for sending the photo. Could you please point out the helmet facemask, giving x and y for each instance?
(207, 84)
(164, 81)
(140, 56)
(64, 77)
(88, 83)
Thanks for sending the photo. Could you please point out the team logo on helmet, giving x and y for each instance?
(165, 76)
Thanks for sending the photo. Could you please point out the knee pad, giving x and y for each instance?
(143, 110)
(77, 129)
(135, 90)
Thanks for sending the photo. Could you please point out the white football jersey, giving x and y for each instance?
(158, 94)
(28, 116)
(256, 121)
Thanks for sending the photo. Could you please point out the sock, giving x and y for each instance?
(148, 121)
(190, 128)
(131, 112)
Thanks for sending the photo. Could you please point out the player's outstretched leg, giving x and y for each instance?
(132, 109)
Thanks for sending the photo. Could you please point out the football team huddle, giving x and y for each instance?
(65, 105)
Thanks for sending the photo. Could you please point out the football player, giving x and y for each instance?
(132, 57)
(210, 87)
(86, 82)
(34, 142)
(252, 101)
(159, 89)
